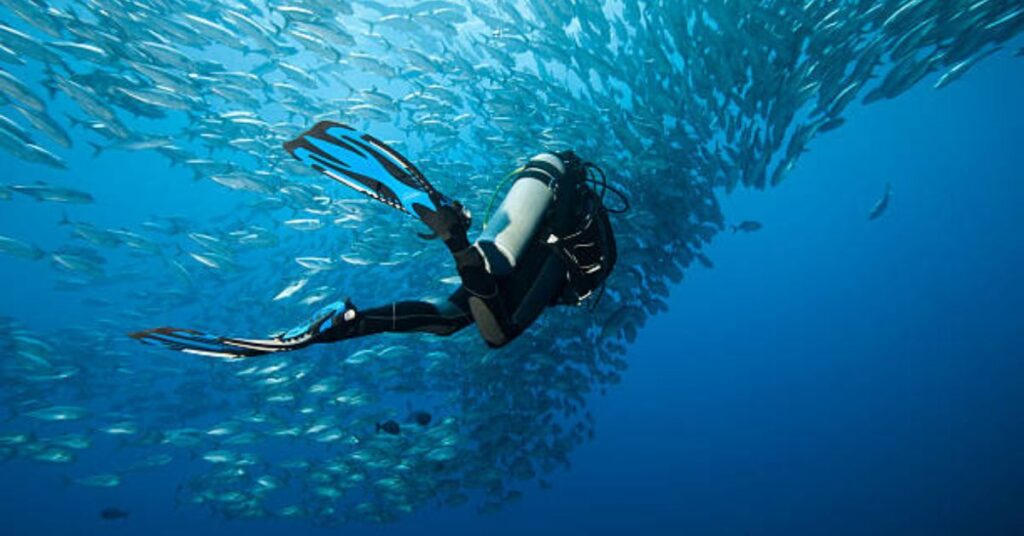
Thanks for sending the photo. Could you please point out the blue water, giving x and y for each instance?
(830, 375)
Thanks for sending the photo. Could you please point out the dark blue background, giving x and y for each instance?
(830, 376)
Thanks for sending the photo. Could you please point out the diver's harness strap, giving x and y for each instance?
(579, 231)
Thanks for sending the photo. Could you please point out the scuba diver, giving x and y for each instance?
(550, 242)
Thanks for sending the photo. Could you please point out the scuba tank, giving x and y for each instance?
(514, 224)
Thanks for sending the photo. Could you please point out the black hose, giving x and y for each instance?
(602, 182)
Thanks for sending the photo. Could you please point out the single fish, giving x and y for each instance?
(14, 129)
(138, 144)
(103, 480)
(59, 413)
(421, 418)
(157, 98)
(54, 455)
(16, 90)
(291, 289)
(82, 51)
(389, 427)
(53, 194)
(882, 204)
(29, 152)
(17, 248)
(305, 224)
(79, 264)
(747, 227)
(47, 125)
(111, 513)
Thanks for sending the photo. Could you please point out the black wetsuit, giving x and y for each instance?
(537, 282)
(541, 276)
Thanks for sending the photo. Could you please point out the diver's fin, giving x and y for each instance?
(198, 343)
(365, 164)
(340, 316)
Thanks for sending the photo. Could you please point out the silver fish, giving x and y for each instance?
(15, 90)
(101, 480)
(59, 413)
(882, 204)
(42, 122)
(10, 246)
(53, 194)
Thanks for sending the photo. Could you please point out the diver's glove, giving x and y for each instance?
(450, 223)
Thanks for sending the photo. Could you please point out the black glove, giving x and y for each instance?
(450, 223)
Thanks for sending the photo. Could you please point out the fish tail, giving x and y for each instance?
(97, 149)
(64, 220)
(49, 84)
(377, 431)
(71, 119)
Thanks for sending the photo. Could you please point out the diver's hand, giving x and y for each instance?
(450, 223)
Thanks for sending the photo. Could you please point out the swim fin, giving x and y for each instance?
(365, 164)
(199, 343)
(335, 316)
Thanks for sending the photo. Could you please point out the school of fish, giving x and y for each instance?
(679, 101)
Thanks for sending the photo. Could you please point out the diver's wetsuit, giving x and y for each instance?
(555, 245)
(503, 306)
(523, 296)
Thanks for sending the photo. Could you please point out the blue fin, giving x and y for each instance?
(199, 343)
(365, 164)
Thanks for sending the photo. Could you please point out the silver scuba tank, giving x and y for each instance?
(512, 227)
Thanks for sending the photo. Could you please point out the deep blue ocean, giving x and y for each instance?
(830, 374)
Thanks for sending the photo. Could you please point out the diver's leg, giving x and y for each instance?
(335, 322)
(486, 303)
(412, 317)
(442, 318)
(485, 300)
(541, 288)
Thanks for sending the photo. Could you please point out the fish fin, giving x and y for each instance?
(75, 122)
